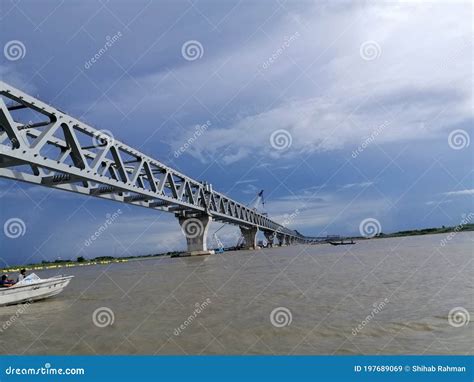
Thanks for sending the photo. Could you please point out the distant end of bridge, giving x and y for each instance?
(42, 145)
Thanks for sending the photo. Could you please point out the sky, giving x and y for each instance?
(339, 111)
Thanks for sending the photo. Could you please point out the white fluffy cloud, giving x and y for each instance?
(460, 192)
(322, 86)
(414, 88)
(304, 73)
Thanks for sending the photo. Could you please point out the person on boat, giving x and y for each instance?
(21, 276)
(5, 282)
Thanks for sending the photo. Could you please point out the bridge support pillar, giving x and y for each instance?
(250, 237)
(195, 229)
(280, 239)
(269, 236)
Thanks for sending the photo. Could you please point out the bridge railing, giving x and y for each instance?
(43, 145)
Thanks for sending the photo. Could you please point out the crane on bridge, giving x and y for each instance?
(255, 205)
(43, 145)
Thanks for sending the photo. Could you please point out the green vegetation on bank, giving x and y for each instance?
(428, 231)
(82, 261)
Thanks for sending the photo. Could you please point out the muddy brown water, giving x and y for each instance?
(389, 296)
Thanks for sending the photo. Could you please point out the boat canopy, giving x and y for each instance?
(30, 279)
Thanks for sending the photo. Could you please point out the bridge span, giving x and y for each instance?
(42, 145)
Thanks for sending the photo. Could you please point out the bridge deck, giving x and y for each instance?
(42, 145)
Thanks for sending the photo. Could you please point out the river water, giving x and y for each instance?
(388, 296)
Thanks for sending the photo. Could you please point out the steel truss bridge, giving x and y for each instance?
(42, 145)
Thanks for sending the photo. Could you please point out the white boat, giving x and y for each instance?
(33, 288)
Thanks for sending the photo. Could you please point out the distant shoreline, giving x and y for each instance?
(105, 260)
(419, 232)
(428, 231)
(58, 264)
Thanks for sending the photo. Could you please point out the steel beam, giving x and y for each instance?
(63, 152)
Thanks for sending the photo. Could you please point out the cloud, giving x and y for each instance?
(246, 181)
(358, 185)
(433, 202)
(326, 213)
(460, 192)
(12, 76)
(329, 97)
(250, 189)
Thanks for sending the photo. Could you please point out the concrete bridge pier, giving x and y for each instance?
(250, 237)
(280, 239)
(269, 236)
(195, 229)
